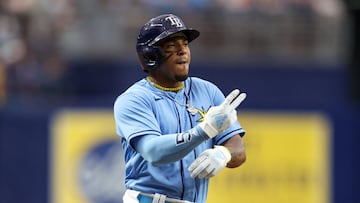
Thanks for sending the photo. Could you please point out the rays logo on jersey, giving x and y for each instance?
(194, 111)
(202, 114)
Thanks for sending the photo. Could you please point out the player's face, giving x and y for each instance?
(175, 68)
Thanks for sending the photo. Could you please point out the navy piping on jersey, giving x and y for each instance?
(142, 132)
(191, 125)
(181, 162)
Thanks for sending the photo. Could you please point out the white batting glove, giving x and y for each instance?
(221, 117)
(210, 162)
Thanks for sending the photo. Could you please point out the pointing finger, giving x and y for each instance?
(230, 98)
(237, 101)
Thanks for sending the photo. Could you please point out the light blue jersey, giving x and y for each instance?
(161, 165)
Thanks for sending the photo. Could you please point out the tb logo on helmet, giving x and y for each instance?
(174, 21)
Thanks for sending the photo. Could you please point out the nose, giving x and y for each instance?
(182, 49)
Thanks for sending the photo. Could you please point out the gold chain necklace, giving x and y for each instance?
(188, 107)
(172, 89)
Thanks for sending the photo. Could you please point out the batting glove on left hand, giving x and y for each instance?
(221, 117)
(210, 162)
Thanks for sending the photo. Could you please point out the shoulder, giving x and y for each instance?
(205, 90)
(137, 94)
(201, 83)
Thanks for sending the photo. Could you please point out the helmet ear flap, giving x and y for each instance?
(150, 57)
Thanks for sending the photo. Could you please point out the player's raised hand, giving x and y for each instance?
(221, 117)
(233, 100)
(210, 162)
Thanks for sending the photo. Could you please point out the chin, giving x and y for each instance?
(181, 77)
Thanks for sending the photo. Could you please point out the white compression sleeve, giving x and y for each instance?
(164, 149)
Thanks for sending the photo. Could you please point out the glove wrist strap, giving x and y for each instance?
(225, 151)
(208, 129)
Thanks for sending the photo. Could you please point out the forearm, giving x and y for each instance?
(164, 149)
(237, 150)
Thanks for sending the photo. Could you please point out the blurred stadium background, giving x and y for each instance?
(63, 62)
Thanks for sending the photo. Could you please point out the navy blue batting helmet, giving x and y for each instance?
(149, 53)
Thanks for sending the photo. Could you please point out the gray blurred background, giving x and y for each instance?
(297, 55)
(38, 37)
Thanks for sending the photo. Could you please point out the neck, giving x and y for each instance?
(171, 89)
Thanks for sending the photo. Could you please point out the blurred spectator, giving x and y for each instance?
(31, 77)
(236, 5)
(169, 6)
(321, 7)
(2, 84)
(329, 8)
(12, 45)
(25, 77)
(96, 32)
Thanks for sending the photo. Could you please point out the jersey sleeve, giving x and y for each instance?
(134, 117)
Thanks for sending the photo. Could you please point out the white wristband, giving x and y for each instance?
(225, 151)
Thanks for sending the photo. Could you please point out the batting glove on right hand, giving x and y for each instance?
(210, 162)
(221, 117)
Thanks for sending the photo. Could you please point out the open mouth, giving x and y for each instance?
(181, 62)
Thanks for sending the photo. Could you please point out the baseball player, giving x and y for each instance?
(177, 131)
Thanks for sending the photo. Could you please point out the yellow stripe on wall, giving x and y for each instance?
(288, 160)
